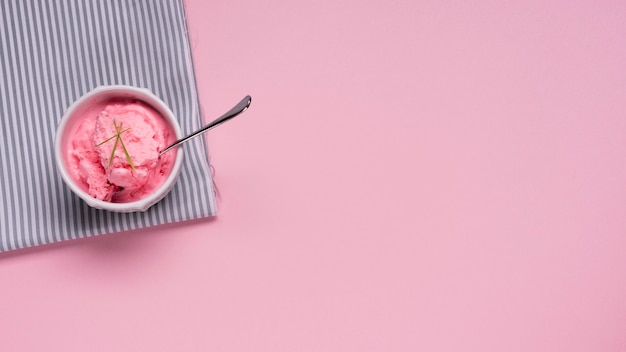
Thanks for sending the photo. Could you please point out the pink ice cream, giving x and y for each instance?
(134, 169)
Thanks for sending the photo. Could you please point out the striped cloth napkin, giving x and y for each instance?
(51, 53)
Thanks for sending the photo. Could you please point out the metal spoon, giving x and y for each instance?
(236, 110)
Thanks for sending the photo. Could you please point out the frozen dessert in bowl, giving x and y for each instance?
(107, 148)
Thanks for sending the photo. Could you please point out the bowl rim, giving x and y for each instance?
(147, 97)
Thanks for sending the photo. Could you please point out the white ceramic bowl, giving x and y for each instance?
(72, 118)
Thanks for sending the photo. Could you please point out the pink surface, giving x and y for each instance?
(411, 176)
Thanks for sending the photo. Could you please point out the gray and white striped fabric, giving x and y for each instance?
(51, 53)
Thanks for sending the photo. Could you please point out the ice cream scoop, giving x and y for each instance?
(114, 151)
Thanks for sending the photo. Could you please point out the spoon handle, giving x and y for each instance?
(236, 110)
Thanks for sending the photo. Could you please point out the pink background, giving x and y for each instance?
(411, 176)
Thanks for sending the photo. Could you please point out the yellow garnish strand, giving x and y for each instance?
(118, 139)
